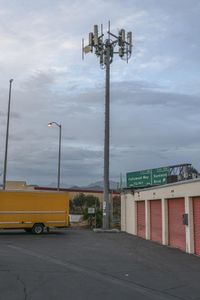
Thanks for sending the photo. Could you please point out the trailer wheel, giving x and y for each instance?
(38, 228)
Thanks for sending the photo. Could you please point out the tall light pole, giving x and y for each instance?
(7, 135)
(59, 150)
(104, 49)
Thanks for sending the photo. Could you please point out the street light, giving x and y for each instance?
(59, 151)
(7, 135)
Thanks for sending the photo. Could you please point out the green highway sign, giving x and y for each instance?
(147, 177)
(159, 176)
(139, 179)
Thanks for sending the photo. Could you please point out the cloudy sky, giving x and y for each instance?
(155, 113)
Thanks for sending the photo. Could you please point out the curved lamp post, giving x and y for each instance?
(59, 151)
(7, 135)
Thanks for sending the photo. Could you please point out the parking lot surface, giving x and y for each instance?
(80, 264)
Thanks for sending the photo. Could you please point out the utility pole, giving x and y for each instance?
(104, 50)
(7, 135)
(59, 150)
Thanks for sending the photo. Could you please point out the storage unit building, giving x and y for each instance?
(169, 214)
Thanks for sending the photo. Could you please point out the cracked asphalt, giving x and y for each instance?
(80, 264)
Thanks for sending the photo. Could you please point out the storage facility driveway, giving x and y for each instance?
(81, 264)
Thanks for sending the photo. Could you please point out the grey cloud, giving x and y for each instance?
(140, 129)
(38, 163)
(154, 99)
(13, 115)
(144, 93)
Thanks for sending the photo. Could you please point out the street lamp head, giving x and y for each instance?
(51, 124)
(11, 80)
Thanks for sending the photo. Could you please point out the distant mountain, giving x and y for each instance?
(98, 185)
(62, 185)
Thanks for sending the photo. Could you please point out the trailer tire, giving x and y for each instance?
(38, 228)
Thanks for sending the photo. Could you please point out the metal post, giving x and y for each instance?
(59, 150)
(7, 135)
(111, 209)
(107, 142)
(95, 213)
(59, 157)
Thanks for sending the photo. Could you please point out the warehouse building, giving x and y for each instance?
(168, 214)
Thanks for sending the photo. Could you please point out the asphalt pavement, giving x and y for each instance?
(80, 264)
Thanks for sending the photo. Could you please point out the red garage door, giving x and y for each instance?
(196, 214)
(141, 218)
(156, 220)
(176, 209)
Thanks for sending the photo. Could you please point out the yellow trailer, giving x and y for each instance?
(33, 211)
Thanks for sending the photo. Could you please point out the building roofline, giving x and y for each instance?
(164, 185)
(74, 190)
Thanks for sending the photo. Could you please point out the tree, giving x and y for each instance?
(77, 204)
(81, 202)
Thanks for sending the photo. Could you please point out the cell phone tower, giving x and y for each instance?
(104, 48)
